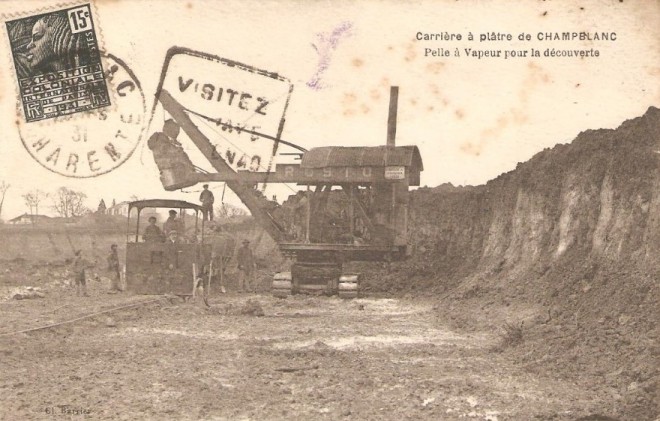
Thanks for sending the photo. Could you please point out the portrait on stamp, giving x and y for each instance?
(58, 63)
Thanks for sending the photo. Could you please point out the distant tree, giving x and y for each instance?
(226, 210)
(221, 211)
(69, 203)
(101, 208)
(32, 200)
(3, 190)
(114, 203)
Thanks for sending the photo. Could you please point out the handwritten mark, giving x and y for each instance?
(326, 43)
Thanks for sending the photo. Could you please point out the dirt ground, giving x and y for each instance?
(255, 357)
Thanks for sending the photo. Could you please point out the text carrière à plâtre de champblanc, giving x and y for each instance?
(502, 36)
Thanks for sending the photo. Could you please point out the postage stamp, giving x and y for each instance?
(58, 63)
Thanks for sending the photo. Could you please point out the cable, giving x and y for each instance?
(237, 148)
(81, 317)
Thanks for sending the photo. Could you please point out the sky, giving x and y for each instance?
(472, 118)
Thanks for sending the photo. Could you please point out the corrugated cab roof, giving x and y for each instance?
(362, 156)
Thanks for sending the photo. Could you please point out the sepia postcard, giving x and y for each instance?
(359, 210)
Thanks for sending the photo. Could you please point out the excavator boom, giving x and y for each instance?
(250, 197)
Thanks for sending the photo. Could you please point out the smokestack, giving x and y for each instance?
(391, 118)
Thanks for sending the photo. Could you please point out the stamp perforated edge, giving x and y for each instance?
(5, 17)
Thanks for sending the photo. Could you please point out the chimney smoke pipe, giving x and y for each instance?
(391, 118)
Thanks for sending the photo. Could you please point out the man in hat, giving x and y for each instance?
(153, 234)
(172, 224)
(246, 266)
(114, 269)
(223, 246)
(79, 265)
(207, 200)
(172, 237)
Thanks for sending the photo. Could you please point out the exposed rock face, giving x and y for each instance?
(598, 197)
(570, 238)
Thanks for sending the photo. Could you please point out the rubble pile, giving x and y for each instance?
(26, 293)
(574, 234)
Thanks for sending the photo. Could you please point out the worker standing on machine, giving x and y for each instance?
(207, 200)
(246, 266)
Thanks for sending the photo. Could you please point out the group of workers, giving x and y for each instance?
(222, 251)
(222, 248)
(170, 232)
(173, 227)
(80, 264)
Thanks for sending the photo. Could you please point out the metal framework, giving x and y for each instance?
(383, 173)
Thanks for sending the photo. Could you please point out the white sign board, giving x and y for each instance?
(395, 173)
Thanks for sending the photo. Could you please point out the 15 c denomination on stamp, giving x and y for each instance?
(58, 63)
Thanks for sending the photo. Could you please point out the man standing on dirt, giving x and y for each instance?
(113, 267)
(246, 265)
(207, 200)
(79, 265)
(223, 246)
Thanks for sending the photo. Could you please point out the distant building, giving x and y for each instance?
(29, 219)
(119, 209)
